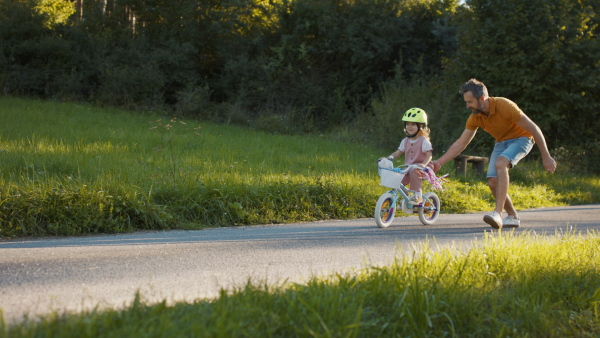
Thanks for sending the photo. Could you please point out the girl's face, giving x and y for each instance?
(412, 128)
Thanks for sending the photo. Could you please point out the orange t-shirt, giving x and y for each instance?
(501, 121)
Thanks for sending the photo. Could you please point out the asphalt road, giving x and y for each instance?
(79, 273)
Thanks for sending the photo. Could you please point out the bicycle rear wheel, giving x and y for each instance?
(431, 208)
(384, 210)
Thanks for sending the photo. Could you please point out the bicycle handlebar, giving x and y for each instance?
(405, 167)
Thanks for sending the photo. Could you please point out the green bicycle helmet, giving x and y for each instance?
(416, 115)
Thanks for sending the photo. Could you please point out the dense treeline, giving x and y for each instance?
(313, 65)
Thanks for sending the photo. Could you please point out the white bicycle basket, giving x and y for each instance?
(390, 178)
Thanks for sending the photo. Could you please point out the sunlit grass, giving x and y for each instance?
(181, 173)
(504, 286)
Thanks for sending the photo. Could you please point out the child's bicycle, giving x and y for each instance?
(388, 202)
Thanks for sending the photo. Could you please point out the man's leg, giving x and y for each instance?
(508, 206)
(499, 180)
(499, 187)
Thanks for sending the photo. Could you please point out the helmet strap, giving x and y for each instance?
(413, 135)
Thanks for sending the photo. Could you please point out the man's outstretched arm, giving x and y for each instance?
(456, 148)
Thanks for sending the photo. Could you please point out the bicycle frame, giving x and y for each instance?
(404, 193)
(387, 204)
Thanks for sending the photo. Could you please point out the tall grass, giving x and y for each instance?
(506, 286)
(72, 169)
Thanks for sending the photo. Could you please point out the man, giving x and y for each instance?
(515, 135)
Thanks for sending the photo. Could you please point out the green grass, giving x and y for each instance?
(505, 286)
(71, 169)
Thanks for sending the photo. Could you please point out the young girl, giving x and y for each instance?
(417, 149)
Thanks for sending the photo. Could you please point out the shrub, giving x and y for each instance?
(544, 55)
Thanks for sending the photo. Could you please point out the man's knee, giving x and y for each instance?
(502, 163)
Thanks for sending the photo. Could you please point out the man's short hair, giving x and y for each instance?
(476, 87)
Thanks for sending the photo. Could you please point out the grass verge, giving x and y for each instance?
(528, 285)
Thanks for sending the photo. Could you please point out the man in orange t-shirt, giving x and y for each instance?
(515, 135)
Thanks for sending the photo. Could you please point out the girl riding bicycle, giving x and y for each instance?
(416, 148)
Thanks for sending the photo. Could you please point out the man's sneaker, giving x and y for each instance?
(415, 200)
(510, 221)
(494, 219)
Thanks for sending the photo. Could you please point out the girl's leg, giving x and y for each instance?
(415, 185)
(416, 181)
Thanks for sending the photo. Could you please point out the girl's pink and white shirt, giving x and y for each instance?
(415, 151)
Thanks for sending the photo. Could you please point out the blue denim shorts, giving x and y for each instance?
(514, 150)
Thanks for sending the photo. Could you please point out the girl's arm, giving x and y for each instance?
(427, 159)
(395, 155)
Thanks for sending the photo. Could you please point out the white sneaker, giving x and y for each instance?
(415, 200)
(494, 219)
(511, 221)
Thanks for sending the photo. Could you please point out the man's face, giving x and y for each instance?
(472, 103)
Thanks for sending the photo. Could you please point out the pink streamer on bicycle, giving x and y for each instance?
(432, 179)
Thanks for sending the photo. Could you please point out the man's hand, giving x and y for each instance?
(434, 165)
(549, 164)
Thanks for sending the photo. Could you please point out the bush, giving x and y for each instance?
(543, 55)
(321, 65)
(58, 209)
(579, 159)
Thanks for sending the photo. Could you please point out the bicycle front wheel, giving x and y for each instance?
(385, 210)
(431, 208)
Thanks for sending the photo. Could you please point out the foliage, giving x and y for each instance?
(327, 58)
(286, 66)
(49, 209)
(56, 11)
(544, 55)
(506, 286)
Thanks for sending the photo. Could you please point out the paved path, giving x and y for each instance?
(39, 275)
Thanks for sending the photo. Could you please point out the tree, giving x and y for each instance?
(324, 60)
(57, 12)
(542, 54)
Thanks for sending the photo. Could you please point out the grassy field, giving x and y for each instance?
(505, 286)
(70, 169)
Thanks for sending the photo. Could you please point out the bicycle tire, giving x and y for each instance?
(384, 211)
(431, 208)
